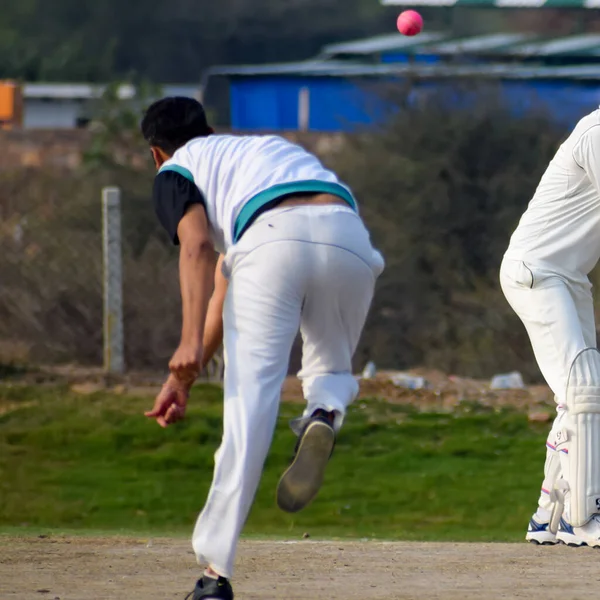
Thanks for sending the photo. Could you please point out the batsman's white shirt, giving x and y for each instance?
(238, 175)
(560, 231)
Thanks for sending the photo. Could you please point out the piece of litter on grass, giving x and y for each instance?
(539, 417)
(507, 381)
(369, 371)
(411, 382)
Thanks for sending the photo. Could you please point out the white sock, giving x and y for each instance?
(543, 514)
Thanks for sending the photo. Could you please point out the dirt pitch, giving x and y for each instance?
(160, 569)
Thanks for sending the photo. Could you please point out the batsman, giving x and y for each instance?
(544, 276)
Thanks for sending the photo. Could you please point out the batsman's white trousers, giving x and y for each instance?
(307, 268)
(558, 314)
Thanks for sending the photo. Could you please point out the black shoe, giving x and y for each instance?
(207, 588)
(302, 481)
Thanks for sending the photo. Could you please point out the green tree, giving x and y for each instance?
(169, 42)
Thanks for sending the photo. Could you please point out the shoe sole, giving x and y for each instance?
(541, 539)
(568, 539)
(302, 481)
(545, 543)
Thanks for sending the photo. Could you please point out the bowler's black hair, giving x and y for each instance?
(171, 123)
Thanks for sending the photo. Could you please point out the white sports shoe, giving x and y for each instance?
(538, 531)
(588, 535)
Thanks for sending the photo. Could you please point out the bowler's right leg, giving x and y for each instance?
(344, 269)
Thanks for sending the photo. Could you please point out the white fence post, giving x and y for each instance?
(114, 362)
(303, 109)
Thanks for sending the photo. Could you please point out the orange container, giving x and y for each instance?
(11, 104)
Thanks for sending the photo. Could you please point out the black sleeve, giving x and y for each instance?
(173, 195)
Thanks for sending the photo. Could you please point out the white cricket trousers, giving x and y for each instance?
(558, 314)
(307, 268)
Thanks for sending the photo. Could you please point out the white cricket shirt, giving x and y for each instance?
(237, 175)
(560, 230)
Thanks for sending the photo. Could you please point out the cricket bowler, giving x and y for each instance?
(294, 255)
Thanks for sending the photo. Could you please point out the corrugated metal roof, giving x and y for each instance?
(419, 3)
(312, 67)
(60, 91)
(382, 43)
(502, 46)
(82, 91)
(497, 3)
(498, 44)
(587, 44)
(484, 44)
(353, 69)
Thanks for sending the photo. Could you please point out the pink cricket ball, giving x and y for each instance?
(410, 22)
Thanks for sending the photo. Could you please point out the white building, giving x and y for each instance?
(71, 105)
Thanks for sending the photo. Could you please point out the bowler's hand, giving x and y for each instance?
(186, 364)
(170, 404)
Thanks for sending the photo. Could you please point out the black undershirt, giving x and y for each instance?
(173, 194)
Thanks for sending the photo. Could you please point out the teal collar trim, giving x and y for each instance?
(178, 169)
(255, 203)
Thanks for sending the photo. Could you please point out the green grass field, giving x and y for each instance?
(94, 463)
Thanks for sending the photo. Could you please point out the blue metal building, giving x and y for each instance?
(348, 85)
